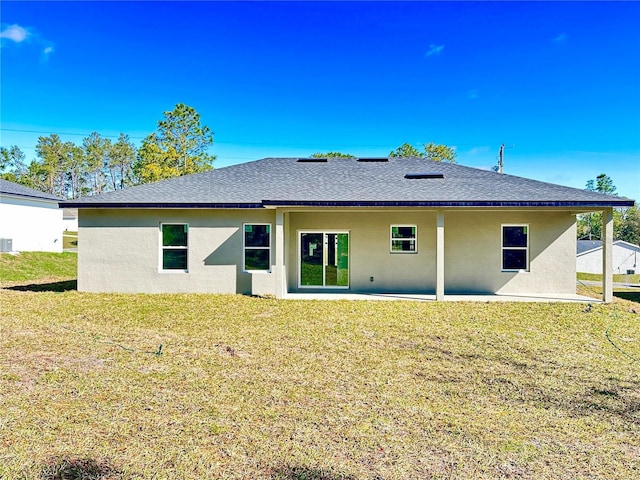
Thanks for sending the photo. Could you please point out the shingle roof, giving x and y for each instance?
(346, 182)
(586, 245)
(15, 189)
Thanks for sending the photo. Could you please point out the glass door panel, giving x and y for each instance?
(324, 259)
(311, 259)
(337, 260)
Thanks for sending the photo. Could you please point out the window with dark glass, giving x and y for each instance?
(174, 246)
(404, 238)
(515, 247)
(257, 247)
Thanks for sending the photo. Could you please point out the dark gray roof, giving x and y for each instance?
(586, 245)
(347, 182)
(15, 189)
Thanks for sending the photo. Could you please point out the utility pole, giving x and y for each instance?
(501, 158)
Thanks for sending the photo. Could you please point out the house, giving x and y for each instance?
(281, 226)
(30, 220)
(626, 257)
(70, 219)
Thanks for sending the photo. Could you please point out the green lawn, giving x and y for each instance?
(69, 239)
(40, 267)
(597, 277)
(269, 389)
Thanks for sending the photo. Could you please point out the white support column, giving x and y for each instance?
(280, 251)
(285, 249)
(607, 255)
(440, 256)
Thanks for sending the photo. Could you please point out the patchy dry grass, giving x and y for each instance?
(257, 388)
(266, 389)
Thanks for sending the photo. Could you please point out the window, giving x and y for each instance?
(515, 247)
(404, 239)
(174, 246)
(257, 247)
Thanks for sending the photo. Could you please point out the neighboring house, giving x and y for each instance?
(30, 220)
(70, 219)
(626, 257)
(369, 225)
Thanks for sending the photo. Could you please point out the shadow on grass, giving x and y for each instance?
(69, 468)
(306, 473)
(626, 294)
(631, 296)
(46, 287)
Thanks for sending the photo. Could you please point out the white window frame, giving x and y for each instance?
(414, 239)
(245, 247)
(172, 247)
(503, 248)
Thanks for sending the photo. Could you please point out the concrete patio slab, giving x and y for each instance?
(570, 298)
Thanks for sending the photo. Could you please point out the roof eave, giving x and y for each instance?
(156, 205)
(31, 197)
(358, 203)
(456, 203)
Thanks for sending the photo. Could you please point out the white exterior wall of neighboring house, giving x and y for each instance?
(119, 250)
(70, 219)
(32, 224)
(626, 256)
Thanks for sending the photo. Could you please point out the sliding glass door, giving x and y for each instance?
(324, 259)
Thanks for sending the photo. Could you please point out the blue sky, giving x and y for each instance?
(557, 83)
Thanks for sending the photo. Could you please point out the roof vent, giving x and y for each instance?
(373, 159)
(413, 176)
(312, 160)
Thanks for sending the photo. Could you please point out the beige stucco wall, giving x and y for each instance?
(369, 249)
(473, 252)
(119, 250)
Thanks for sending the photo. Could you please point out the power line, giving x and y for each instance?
(59, 133)
(223, 142)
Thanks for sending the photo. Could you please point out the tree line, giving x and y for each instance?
(98, 164)
(626, 221)
(430, 151)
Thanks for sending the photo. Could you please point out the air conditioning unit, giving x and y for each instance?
(6, 245)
